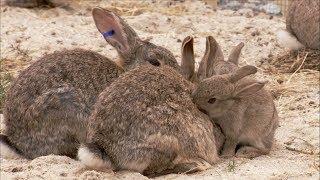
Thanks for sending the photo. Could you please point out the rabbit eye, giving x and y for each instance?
(212, 100)
(154, 62)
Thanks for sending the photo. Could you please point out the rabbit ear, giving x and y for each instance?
(212, 54)
(242, 72)
(187, 61)
(250, 89)
(115, 30)
(235, 54)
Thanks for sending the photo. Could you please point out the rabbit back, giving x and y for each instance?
(150, 108)
(53, 94)
(303, 21)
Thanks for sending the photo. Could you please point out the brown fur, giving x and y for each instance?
(302, 21)
(146, 121)
(248, 119)
(47, 105)
(245, 112)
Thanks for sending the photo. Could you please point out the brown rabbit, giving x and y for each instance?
(47, 106)
(210, 60)
(244, 110)
(241, 106)
(212, 63)
(302, 24)
(153, 127)
(145, 121)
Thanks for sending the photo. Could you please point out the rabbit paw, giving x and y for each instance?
(192, 167)
(249, 152)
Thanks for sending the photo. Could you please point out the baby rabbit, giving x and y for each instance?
(302, 25)
(145, 121)
(244, 110)
(47, 106)
(241, 106)
(206, 65)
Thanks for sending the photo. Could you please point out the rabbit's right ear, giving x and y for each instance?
(250, 89)
(235, 54)
(187, 58)
(242, 72)
(115, 30)
(212, 54)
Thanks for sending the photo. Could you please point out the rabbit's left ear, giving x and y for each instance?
(242, 72)
(115, 30)
(235, 54)
(249, 89)
(213, 53)
(187, 61)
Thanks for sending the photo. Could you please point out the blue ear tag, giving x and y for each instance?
(108, 33)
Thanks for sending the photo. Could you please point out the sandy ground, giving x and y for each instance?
(28, 34)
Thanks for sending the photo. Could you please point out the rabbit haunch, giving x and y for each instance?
(302, 25)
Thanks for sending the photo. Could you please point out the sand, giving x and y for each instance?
(27, 34)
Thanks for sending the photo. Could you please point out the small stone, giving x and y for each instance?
(280, 81)
(63, 174)
(16, 169)
(300, 107)
(291, 108)
(255, 33)
(312, 103)
(179, 40)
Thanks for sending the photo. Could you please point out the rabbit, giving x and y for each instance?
(302, 25)
(206, 65)
(244, 110)
(47, 106)
(145, 121)
(212, 63)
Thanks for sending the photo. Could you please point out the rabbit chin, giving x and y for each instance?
(91, 160)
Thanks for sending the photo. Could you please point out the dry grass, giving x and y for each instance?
(295, 60)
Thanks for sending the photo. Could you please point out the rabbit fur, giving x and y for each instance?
(302, 25)
(47, 106)
(240, 105)
(145, 121)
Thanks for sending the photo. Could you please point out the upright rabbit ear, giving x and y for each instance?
(187, 61)
(235, 54)
(115, 30)
(250, 89)
(242, 72)
(212, 54)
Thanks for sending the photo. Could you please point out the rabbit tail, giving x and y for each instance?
(7, 150)
(289, 40)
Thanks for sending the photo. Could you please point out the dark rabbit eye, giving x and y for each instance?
(154, 62)
(212, 100)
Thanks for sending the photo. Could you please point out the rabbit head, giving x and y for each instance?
(132, 50)
(212, 63)
(217, 94)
